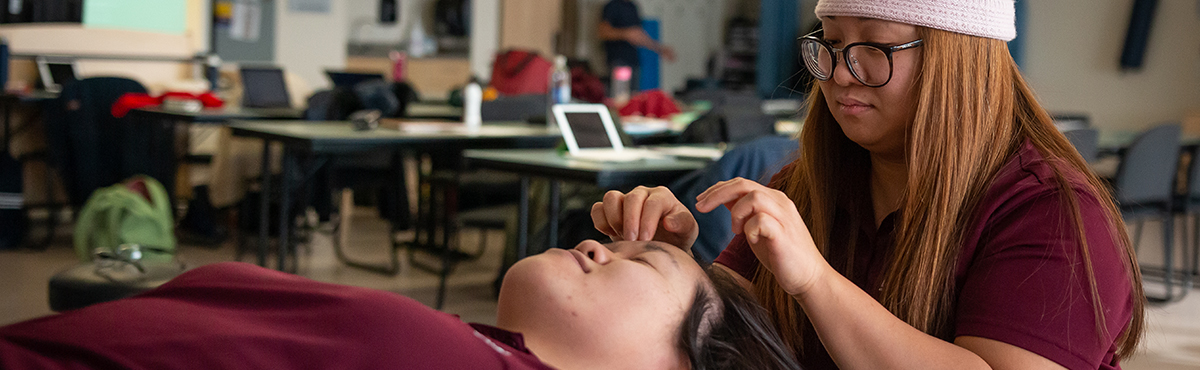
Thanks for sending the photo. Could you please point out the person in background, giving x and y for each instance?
(935, 217)
(630, 305)
(621, 30)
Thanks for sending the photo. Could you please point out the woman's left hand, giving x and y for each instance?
(773, 227)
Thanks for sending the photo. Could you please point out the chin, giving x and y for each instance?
(531, 286)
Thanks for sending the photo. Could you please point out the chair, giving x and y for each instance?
(734, 118)
(525, 108)
(87, 146)
(744, 120)
(487, 197)
(1144, 189)
(1188, 205)
(1086, 141)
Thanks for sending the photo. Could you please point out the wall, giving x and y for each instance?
(308, 43)
(1073, 49)
(485, 36)
(74, 39)
(362, 21)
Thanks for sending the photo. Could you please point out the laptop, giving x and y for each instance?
(590, 134)
(264, 87)
(56, 72)
(349, 79)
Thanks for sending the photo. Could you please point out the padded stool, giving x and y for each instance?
(106, 280)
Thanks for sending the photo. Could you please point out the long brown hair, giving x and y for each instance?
(973, 112)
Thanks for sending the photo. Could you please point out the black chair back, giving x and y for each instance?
(1086, 141)
(1193, 192)
(87, 145)
(1147, 171)
(525, 108)
(378, 95)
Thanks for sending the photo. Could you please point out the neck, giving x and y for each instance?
(547, 350)
(889, 177)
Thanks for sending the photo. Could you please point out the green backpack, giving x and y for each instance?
(117, 215)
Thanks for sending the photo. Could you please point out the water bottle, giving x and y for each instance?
(398, 58)
(620, 84)
(560, 87)
(472, 100)
(212, 71)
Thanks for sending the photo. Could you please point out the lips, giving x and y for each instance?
(581, 259)
(853, 106)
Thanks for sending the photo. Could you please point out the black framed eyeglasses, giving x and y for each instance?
(869, 62)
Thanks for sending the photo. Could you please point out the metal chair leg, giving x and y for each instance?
(1195, 247)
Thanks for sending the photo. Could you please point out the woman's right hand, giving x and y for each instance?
(646, 214)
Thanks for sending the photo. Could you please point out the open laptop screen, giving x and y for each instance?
(264, 88)
(589, 130)
(349, 79)
(61, 73)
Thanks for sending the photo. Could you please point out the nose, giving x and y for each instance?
(595, 251)
(841, 71)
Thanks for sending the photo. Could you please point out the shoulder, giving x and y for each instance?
(1027, 279)
(1031, 179)
(1026, 205)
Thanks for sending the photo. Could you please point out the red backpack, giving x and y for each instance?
(520, 72)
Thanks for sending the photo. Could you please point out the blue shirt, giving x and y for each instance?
(621, 14)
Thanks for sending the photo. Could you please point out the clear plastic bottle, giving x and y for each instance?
(472, 100)
(621, 76)
(560, 87)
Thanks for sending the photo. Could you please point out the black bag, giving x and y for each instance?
(452, 17)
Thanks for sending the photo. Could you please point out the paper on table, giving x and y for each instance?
(691, 152)
(422, 126)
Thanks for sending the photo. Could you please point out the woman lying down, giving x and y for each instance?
(626, 305)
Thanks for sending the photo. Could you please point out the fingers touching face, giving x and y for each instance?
(645, 214)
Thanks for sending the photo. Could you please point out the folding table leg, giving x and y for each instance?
(523, 220)
(264, 205)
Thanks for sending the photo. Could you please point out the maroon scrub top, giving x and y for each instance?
(240, 316)
(1018, 279)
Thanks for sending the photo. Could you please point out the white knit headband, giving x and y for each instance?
(994, 19)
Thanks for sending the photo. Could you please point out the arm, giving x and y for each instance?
(607, 32)
(636, 36)
(858, 332)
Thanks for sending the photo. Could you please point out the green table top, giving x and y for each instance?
(324, 136)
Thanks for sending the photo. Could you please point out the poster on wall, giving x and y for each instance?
(246, 21)
(309, 6)
(163, 16)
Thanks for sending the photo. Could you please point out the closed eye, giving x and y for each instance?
(642, 260)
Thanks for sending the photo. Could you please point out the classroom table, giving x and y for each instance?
(551, 164)
(1113, 142)
(307, 146)
(163, 122)
(434, 111)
